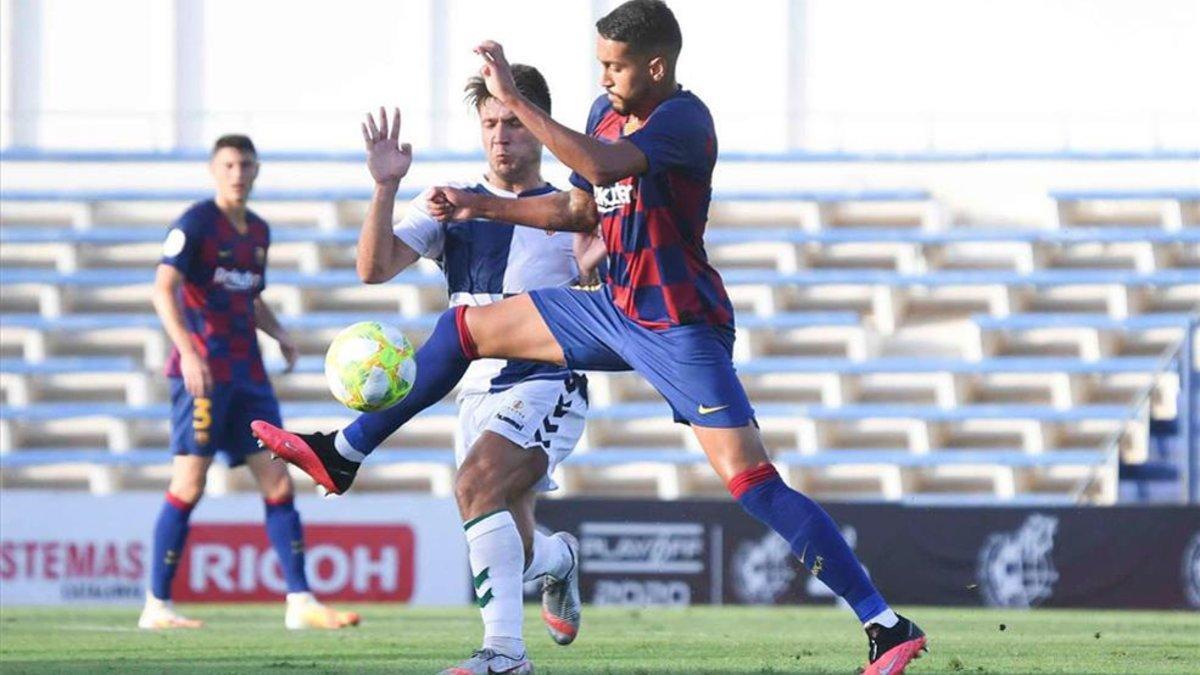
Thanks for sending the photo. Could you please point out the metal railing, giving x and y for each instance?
(1181, 357)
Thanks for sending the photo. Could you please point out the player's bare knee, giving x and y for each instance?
(187, 488)
(281, 490)
(481, 326)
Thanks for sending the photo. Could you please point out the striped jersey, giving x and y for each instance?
(223, 272)
(653, 224)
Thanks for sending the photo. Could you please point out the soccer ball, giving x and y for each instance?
(370, 366)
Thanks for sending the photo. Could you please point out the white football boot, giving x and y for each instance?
(160, 615)
(305, 612)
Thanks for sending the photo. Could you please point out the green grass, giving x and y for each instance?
(613, 640)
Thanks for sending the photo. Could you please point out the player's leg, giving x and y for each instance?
(495, 473)
(739, 458)
(281, 519)
(550, 325)
(510, 328)
(170, 536)
(522, 507)
(691, 366)
(192, 444)
(508, 444)
(544, 554)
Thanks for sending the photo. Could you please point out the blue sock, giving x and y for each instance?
(441, 363)
(170, 534)
(813, 536)
(287, 537)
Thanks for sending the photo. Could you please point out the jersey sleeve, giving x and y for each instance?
(421, 231)
(181, 248)
(594, 116)
(676, 136)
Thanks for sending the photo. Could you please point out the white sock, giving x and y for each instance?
(550, 556)
(342, 445)
(497, 557)
(887, 618)
(300, 598)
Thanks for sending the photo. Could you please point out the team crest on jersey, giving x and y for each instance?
(260, 255)
(612, 197)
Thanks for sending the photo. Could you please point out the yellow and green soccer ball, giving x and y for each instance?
(370, 366)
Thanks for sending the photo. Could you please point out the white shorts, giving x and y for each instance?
(546, 415)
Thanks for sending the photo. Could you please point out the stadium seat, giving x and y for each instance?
(890, 354)
(1169, 208)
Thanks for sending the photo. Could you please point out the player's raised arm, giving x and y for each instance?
(573, 211)
(196, 376)
(600, 163)
(381, 254)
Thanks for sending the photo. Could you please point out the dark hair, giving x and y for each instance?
(647, 26)
(237, 141)
(529, 82)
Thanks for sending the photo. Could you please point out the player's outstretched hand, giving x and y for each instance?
(290, 354)
(197, 379)
(387, 159)
(448, 204)
(496, 72)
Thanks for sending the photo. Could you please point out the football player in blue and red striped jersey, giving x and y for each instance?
(207, 294)
(643, 173)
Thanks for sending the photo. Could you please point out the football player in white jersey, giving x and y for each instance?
(517, 420)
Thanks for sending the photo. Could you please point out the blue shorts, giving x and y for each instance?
(220, 422)
(691, 366)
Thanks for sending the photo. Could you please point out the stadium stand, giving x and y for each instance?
(890, 354)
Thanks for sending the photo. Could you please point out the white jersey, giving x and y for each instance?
(485, 261)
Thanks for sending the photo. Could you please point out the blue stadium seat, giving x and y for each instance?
(860, 411)
(69, 364)
(906, 364)
(133, 277)
(616, 456)
(112, 234)
(1179, 194)
(161, 411)
(1042, 278)
(962, 235)
(318, 320)
(356, 194)
(944, 278)
(48, 456)
(630, 411)
(1098, 321)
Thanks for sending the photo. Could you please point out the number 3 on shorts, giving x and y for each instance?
(201, 419)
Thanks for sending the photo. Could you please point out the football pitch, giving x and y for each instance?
(396, 639)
